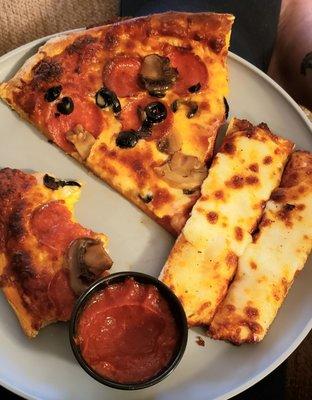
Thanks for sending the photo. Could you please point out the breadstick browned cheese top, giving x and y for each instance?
(240, 181)
(270, 263)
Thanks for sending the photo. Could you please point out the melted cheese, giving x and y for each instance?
(131, 171)
(241, 178)
(43, 262)
(268, 266)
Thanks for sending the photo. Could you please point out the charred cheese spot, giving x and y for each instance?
(236, 182)
(230, 308)
(231, 259)
(254, 327)
(16, 222)
(239, 234)
(78, 46)
(252, 312)
(111, 40)
(278, 195)
(216, 44)
(229, 148)
(161, 197)
(212, 217)
(253, 265)
(252, 180)
(254, 167)
(219, 194)
(267, 160)
(46, 70)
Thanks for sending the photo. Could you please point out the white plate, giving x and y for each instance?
(44, 368)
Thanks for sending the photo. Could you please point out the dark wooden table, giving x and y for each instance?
(290, 381)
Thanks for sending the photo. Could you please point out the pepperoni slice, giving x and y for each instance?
(61, 295)
(53, 228)
(191, 70)
(129, 118)
(85, 113)
(120, 75)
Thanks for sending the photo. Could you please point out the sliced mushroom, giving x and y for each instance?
(87, 260)
(183, 171)
(192, 107)
(169, 144)
(82, 140)
(157, 75)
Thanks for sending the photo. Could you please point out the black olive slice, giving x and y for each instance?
(175, 105)
(52, 93)
(51, 183)
(226, 107)
(147, 198)
(194, 88)
(103, 98)
(107, 98)
(116, 105)
(193, 108)
(158, 94)
(127, 139)
(65, 106)
(156, 112)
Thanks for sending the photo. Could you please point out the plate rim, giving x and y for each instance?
(258, 377)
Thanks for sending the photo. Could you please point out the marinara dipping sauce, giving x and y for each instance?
(126, 331)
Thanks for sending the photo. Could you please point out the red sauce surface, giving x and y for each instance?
(127, 333)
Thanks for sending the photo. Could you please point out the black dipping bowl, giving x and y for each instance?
(174, 305)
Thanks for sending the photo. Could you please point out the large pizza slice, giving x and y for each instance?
(139, 102)
(46, 258)
(204, 258)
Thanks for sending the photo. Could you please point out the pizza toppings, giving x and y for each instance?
(106, 98)
(65, 106)
(192, 107)
(127, 139)
(182, 171)
(52, 93)
(51, 183)
(82, 140)
(195, 88)
(191, 69)
(146, 198)
(87, 260)
(156, 112)
(121, 73)
(61, 295)
(169, 144)
(157, 75)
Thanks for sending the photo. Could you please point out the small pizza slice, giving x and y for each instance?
(270, 263)
(240, 181)
(139, 102)
(46, 258)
